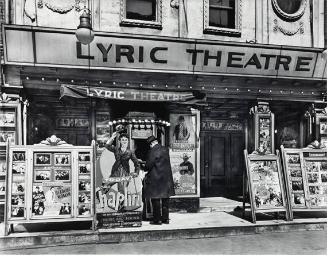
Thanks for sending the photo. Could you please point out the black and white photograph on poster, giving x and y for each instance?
(324, 177)
(323, 166)
(84, 197)
(314, 190)
(7, 135)
(3, 167)
(298, 199)
(293, 158)
(18, 187)
(18, 200)
(84, 185)
(183, 169)
(42, 158)
(84, 168)
(62, 159)
(313, 178)
(18, 168)
(42, 175)
(297, 185)
(84, 157)
(3, 187)
(7, 118)
(17, 211)
(62, 175)
(182, 132)
(18, 156)
(323, 127)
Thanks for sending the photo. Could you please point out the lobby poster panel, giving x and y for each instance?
(183, 153)
(266, 185)
(52, 184)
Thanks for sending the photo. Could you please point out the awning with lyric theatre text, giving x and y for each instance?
(131, 94)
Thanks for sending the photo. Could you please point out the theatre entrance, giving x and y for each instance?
(222, 163)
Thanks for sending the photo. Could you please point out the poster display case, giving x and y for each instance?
(50, 183)
(265, 183)
(305, 172)
(321, 128)
(263, 127)
(10, 133)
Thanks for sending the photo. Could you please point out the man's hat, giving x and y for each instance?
(186, 156)
(150, 139)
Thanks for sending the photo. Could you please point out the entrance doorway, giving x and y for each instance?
(222, 163)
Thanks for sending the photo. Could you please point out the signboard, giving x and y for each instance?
(265, 181)
(54, 47)
(183, 153)
(221, 125)
(306, 175)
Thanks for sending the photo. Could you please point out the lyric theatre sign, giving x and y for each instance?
(53, 47)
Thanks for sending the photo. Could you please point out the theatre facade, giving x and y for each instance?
(206, 99)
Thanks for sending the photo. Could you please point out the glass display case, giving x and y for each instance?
(11, 133)
(50, 183)
(305, 172)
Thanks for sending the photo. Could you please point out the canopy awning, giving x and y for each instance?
(140, 95)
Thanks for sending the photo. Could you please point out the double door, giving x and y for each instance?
(222, 163)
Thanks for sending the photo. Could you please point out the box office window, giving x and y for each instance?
(222, 16)
(142, 13)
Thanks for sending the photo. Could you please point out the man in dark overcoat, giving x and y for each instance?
(159, 185)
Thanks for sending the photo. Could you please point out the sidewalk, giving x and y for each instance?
(216, 218)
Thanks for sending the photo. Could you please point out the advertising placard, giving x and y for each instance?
(183, 146)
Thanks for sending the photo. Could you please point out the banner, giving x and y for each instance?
(126, 94)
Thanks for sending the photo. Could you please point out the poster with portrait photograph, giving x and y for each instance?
(103, 130)
(51, 201)
(7, 135)
(184, 176)
(182, 132)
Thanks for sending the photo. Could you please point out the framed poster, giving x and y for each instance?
(103, 130)
(7, 118)
(7, 135)
(265, 181)
(305, 171)
(184, 153)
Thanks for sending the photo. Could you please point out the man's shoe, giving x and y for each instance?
(155, 222)
(165, 221)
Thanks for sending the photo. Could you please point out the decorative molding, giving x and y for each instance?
(290, 17)
(221, 30)
(288, 32)
(62, 9)
(53, 141)
(141, 23)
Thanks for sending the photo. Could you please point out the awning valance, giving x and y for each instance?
(144, 95)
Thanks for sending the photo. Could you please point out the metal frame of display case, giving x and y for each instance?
(248, 182)
(304, 177)
(28, 177)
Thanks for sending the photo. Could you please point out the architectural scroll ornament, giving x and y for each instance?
(288, 32)
(58, 6)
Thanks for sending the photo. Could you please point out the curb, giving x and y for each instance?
(36, 240)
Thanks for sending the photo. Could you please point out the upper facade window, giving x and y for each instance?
(142, 13)
(222, 16)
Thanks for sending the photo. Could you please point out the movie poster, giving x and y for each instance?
(183, 144)
(49, 201)
(119, 193)
(266, 184)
